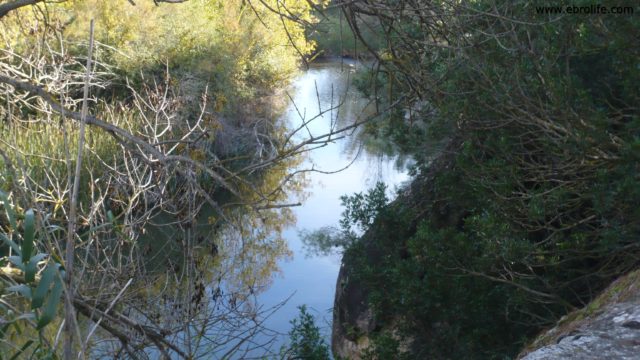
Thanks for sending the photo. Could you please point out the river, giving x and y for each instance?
(311, 280)
(240, 262)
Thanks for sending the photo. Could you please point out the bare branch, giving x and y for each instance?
(6, 8)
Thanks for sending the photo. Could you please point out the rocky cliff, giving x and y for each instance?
(354, 319)
(607, 328)
(389, 288)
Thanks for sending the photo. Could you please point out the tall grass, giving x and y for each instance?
(35, 154)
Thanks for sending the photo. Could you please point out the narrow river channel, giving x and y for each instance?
(311, 280)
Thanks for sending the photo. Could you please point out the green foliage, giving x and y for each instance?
(531, 209)
(42, 293)
(385, 346)
(239, 52)
(197, 81)
(324, 241)
(306, 341)
(360, 210)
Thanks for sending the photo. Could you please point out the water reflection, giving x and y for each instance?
(312, 280)
(228, 276)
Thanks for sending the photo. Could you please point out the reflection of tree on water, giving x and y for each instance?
(209, 271)
(327, 84)
(208, 275)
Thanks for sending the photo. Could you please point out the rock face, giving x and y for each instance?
(354, 321)
(352, 318)
(607, 328)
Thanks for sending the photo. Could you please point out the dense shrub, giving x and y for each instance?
(306, 340)
(529, 210)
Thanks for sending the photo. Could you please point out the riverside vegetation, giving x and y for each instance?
(524, 127)
(145, 175)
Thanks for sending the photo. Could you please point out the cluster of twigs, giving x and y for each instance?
(123, 295)
(511, 82)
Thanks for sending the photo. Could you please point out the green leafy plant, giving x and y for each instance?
(360, 210)
(41, 282)
(306, 341)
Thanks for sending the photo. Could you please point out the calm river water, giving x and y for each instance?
(312, 280)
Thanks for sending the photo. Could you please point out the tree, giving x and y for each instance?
(360, 211)
(306, 341)
(535, 135)
(157, 160)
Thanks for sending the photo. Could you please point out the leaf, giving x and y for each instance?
(11, 243)
(25, 316)
(52, 228)
(52, 305)
(17, 261)
(22, 289)
(7, 207)
(47, 278)
(31, 268)
(29, 235)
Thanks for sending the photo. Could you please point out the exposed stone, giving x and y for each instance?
(352, 318)
(354, 322)
(607, 328)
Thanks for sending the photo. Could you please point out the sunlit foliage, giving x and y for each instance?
(200, 236)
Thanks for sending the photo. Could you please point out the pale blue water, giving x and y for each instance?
(311, 281)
